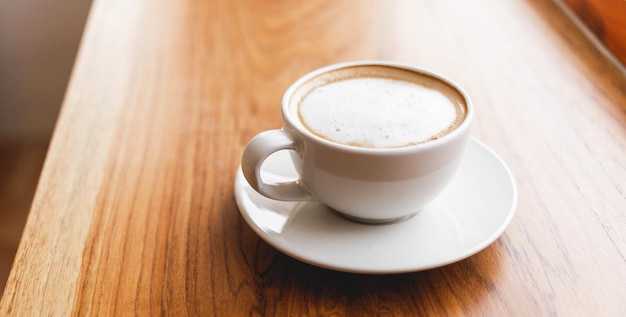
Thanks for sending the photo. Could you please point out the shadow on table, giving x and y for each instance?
(456, 287)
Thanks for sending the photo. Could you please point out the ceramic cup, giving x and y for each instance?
(366, 184)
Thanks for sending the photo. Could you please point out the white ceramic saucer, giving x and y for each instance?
(472, 213)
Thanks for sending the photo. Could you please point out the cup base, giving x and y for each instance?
(369, 221)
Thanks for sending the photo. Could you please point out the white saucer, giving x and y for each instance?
(472, 213)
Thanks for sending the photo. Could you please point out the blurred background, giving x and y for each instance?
(39, 40)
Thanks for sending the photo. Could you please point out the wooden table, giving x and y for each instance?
(134, 212)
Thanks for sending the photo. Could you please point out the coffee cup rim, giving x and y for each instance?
(294, 123)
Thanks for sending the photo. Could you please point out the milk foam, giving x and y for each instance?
(377, 112)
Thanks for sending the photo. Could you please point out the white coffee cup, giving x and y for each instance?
(364, 182)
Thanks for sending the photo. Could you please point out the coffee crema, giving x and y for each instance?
(379, 107)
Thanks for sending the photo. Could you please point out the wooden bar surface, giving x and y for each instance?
(134, 211)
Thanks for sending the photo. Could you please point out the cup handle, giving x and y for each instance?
(261, 147)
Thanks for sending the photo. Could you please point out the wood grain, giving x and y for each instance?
(134, 212)
(607, 20)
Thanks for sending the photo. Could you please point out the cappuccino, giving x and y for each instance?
(379, 107)
(359, 136)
